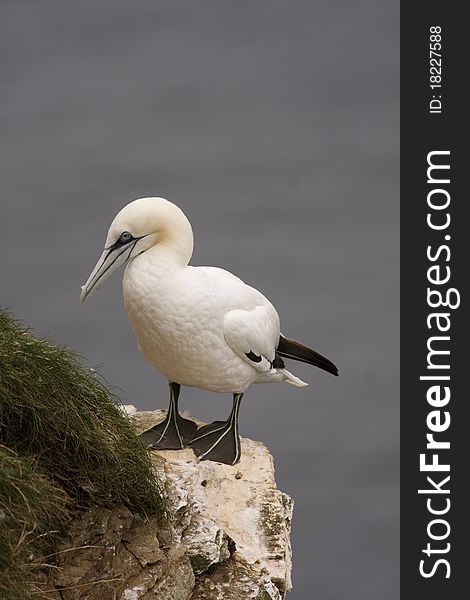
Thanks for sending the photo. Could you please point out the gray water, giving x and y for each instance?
(274, 126)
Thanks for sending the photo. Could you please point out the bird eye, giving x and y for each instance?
(125, 237)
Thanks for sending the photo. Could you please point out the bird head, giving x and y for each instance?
(139, 226)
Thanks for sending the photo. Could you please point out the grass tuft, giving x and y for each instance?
(64, 444)
(55, 411)
(33, 513)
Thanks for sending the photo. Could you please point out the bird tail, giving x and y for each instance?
(292, 379)
(291, 349)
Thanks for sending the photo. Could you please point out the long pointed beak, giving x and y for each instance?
(111, 259)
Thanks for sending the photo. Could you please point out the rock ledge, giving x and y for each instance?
(226, 535)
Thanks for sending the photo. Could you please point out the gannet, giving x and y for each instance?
(201, 327)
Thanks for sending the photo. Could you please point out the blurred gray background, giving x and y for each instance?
(274, 126)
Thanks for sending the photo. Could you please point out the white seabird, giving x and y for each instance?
(201, 327)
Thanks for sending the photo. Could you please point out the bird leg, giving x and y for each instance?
(219, 441)
(174, 432)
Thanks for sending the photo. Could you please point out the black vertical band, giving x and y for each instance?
(434, 272)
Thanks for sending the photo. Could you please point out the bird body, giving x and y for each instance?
(195, 324)
(201, 327)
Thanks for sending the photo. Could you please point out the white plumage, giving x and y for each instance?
(200, 326)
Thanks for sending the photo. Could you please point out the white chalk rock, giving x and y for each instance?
(225, 535)
(231, 516)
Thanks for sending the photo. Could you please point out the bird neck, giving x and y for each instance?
(173, 246)
(174, 243)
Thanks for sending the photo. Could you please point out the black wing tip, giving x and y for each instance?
(329, 367)
(333, 369)
(295, 350)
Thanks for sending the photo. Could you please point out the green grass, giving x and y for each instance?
(64, 441)
(33, 514)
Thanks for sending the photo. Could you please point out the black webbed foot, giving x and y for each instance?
(174, 432)
(219, 441)
(220, 444)
(170, 434)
